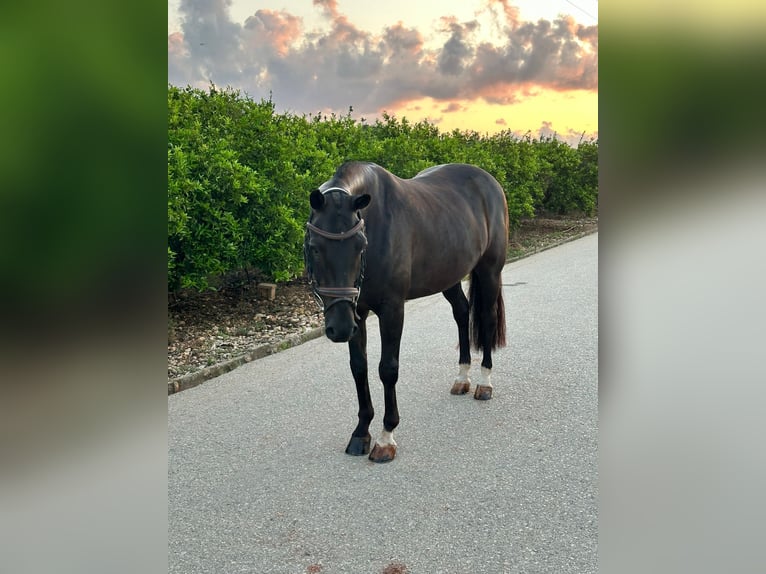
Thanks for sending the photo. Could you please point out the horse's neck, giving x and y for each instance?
(355, 178)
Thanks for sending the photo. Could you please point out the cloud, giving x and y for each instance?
(452, 107)
(402, 44)
(178, 59)
(546, 130)
(544, 54)
(501, 122)
(571, 137)
(510, 19)
(342, 65)
(269, 31)
(457, 51)
(212, 41)
(329, 7)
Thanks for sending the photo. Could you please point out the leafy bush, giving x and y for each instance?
(570, 177)
(228, 205)
(239, 175)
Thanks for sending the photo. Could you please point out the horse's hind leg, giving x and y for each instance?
(460, 311)
(489, 322)
(357, 347)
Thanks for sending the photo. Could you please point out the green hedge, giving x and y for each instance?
(239, 175)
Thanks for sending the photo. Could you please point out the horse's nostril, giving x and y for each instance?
(330, 332)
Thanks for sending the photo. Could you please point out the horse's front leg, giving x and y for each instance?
(357, 348)
(391, 323)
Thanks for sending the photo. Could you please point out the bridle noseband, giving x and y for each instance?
(350, 294)
(338, 236)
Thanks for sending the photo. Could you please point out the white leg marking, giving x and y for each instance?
(485, 374)
(463, 374)
(386, 438)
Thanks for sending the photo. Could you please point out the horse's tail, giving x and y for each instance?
(477, 306)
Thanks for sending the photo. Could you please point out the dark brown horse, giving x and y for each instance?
(375, 240)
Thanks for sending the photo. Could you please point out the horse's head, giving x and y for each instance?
(334, 251)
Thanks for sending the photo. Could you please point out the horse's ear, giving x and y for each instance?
(361, 201)
(317, 199)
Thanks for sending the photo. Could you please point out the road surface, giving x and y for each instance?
(259, 481)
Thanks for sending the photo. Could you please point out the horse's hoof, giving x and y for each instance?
(383, 453)
(460, 387)
(358, 445)
(482, 393)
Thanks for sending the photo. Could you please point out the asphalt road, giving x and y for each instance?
(259, 481)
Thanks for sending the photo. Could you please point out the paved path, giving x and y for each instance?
(259, 482)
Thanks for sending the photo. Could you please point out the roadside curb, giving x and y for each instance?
(552, 245)
(198, 377)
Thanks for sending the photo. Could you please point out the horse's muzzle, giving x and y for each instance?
(337, 335)
(339, 321)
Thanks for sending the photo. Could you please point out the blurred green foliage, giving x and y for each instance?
(239, 174)
(84, 126)
(678, 102)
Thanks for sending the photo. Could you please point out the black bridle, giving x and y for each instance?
(350, 294)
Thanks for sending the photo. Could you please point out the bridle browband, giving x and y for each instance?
(350, 294)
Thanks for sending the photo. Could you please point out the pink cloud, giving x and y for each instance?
(176, 45)
(270, 28)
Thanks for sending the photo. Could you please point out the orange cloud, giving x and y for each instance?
(272, 28)
(511, 13)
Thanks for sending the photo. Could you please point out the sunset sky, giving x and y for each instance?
(483, 65)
